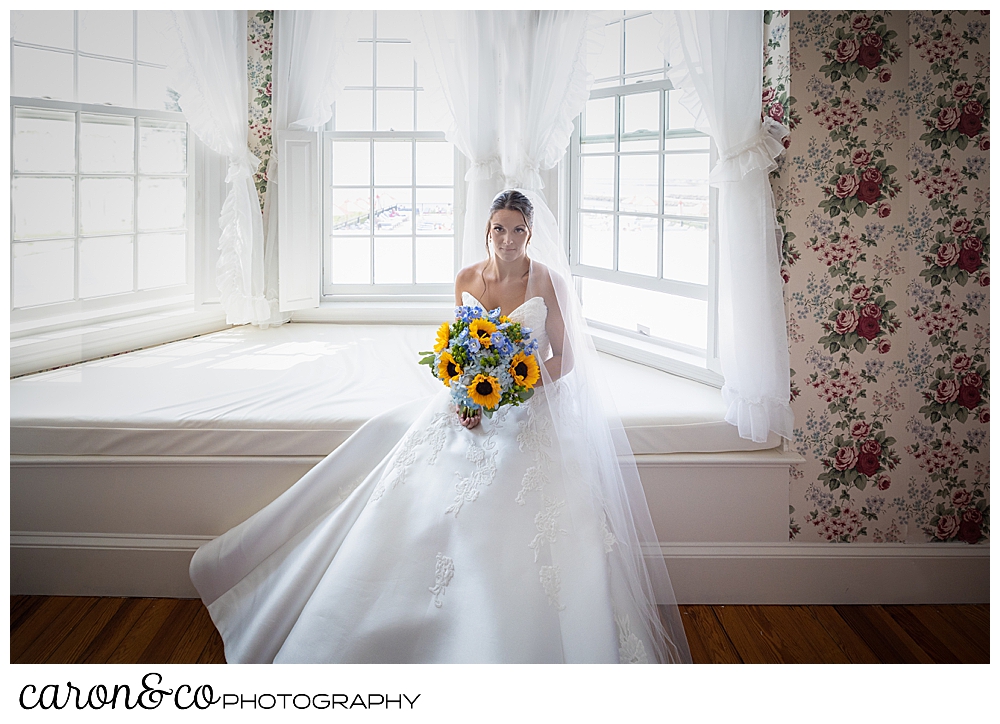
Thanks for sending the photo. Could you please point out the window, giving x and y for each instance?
(642, 242)
(100, 191)
(389, 175)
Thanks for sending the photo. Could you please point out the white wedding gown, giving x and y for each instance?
(418, 540)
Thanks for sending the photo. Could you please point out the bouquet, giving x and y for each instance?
(486, 359)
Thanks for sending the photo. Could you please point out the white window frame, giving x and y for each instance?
(85, 308)
(671, 356)
(387, 292)
(71, 331)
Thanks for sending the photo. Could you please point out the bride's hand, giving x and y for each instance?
(470, 421)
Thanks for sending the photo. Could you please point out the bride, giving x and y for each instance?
(429, 537)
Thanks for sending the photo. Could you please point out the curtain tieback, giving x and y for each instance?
(244, 167)
(758, 152)
(524, 177)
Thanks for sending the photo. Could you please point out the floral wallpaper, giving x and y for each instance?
(260, 28)
(883, 197)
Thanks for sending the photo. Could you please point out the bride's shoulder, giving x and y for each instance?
(468, 279)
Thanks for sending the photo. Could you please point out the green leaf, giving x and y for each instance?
(429, 361)
(860, 345)
(962, 142)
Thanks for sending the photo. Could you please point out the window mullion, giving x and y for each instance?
(76, 212)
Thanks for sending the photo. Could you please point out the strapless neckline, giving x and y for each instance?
(514, 311)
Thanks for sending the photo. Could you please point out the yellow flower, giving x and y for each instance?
(443, 336)
(481, 329)
(485, 391)
(504, 319)
(448, 368)
(524, 369)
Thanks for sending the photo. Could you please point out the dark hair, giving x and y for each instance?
(514, 200)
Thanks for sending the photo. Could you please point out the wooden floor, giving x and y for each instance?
(63, 629)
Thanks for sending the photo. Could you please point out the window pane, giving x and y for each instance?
(685, 251)
(597, 241)
(597, 187)
(638, 185)
(352, 163)
(641, 112)
(597, 147)
(393, 261)
(105, 266)
(394, 64)
(637, 245)
(599, 117)
(393, 212)
(354, 111)
(686, 143)
(678, 319)
(44, 141)
(685, 184)
(105, 81)
(395, 111)
(43, 27)
(162, 203)
(151, 89)
(151, 44)
(358, 64)
(435, 260)
(105, 205)
(430, 116)
(162, 260)
(106, 32)
(107, 144)
(393, 163)
(351, 211)
(435, 211)
(43, 272)
(435, 164)
(351, 260)
(162, 146)
(642, 39)
(677, 115)
(43, 207)
(43, 74)
(608, 63)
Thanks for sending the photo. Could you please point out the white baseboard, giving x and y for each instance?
(827, 573)
(102, 564)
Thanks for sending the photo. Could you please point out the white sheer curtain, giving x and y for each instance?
(716, 57)
(208, 69)
(513, 82)
(306, 77)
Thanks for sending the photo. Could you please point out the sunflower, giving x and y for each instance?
(524, 369)
(448, 368)
(443, 337)
(481, 329)
(485, 391)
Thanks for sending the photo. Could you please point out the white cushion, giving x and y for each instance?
(299, 389)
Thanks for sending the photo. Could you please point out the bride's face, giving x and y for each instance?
(509, 234)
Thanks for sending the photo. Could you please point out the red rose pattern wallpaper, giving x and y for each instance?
(883, 197)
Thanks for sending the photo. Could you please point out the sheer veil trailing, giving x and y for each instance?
(592, 448)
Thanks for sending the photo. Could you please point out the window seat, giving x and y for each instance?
(301, 390)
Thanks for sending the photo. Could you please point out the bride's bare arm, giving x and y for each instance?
(561, 361)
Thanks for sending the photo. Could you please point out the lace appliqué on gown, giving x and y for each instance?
(444, 571)
(434, 436)
(547, 523)
(552, 583)
(484, 457)
(630, 647)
